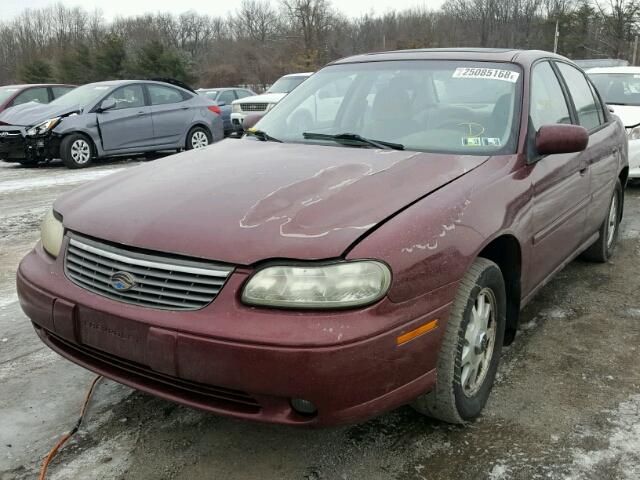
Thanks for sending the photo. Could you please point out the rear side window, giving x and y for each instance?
(129, 96)
(39, 94)
(589, 113)
(244, 93)
(59, 91)
(161, 95)
(548, 104)
(227, 97)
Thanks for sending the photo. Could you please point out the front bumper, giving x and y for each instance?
(351, 373)
(237, 119)
(15, 146)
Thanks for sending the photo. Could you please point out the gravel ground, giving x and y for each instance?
(566, 404)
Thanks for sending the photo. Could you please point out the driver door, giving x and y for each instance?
(560, 183)
(129, 124)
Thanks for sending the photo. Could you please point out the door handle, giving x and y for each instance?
(615, 150)
(583, 171)
(142, 113)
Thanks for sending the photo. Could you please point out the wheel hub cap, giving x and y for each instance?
(478, 343)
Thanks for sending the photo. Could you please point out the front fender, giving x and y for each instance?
(434, 242)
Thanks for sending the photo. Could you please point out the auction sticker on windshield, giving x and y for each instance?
(488, 73)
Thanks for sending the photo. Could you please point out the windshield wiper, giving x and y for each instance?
(615, 103)
(353, 137)
(261, 135)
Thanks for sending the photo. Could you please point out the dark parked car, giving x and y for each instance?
(12, 95)
(329, 272)
(223, 98)
(105, 119)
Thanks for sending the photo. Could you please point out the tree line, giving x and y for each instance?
(262, 40)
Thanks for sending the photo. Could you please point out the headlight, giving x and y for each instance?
(337, 285)
(51, 232)
(43, 127)
(634, 133)
(270, 106)
(235, 108)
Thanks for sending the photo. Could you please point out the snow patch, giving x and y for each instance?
(54, 180)
(623, 451)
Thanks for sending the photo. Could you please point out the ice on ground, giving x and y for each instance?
(623, 450)
(11, 186)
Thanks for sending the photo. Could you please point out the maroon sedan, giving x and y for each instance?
(323, 271)
(11, 95)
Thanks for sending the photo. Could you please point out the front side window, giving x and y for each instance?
(227, 97)
(161, 95)
(548, 105)
(39, 94)
(586, 106)
(427, 105)
(128, 97)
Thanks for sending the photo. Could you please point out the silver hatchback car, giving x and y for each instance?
(106, 119)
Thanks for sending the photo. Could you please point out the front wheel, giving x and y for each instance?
(602, 249)
(198, 137)
(471, 347)
(76, 151)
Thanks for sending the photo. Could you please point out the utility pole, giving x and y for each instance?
(555, 39)
(384, 41)
(635, 50)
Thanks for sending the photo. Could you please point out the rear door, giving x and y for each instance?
(171, 113)
(128, 125)
(560, 183)
(602, 153)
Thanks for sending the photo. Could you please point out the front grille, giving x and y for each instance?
(253, 107)
(159, 282)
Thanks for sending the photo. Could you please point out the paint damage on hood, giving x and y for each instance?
(242, 201)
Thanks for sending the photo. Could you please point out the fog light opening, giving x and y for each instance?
(303, 407)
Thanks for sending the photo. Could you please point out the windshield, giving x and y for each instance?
(618, 88)
(82, 96)
(428, 105)
(286, 84)
(7, 92)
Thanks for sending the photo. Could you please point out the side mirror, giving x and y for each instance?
(250, 120)
(221, 104)
(107, 104)
(552, 139)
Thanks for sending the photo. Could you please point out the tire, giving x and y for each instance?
(602, 249)
(76, 151)
(459, 396)
(196, 138)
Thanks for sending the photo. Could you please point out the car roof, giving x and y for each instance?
(29, 85)
(614, 70)
(522, 57)
(303, 74)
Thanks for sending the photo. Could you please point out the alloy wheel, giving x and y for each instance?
(613, 220)
(478, 343)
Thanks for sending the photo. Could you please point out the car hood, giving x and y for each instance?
(241, 201)
(629, 114)
(264, 98)
(32, 113)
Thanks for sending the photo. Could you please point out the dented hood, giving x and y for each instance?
(241, 201)
(32, 113)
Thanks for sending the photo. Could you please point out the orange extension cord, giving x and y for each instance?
(67, 436)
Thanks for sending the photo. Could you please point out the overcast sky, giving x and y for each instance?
(114, 8)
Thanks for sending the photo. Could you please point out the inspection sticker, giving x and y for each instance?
(480, 142)
(488, 73)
